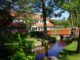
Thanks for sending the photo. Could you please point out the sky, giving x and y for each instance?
(65, 16)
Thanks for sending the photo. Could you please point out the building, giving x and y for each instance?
(17, 24)
(38, 24)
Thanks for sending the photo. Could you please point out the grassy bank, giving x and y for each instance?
(71, 55)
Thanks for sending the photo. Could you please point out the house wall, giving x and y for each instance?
(41, 28)
(38, 28)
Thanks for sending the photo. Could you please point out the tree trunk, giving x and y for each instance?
(71, 18)
(78, 46)
(45, 26)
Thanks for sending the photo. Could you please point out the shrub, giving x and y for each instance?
(52, 39)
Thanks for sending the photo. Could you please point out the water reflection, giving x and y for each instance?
(53, 51)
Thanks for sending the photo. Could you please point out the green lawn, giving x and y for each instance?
(74, 57)
(72, 46)
(71, 56)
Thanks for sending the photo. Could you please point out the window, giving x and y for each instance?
(36, 28)
(41, 28)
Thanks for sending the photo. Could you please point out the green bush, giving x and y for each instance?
(19, 46)
(19, 56)
(37, 34)
(52, 39)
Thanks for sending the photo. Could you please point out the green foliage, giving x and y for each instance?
(73, 4)
(65, 23)
(37, 34)
(25, 5)
(28, 20)
(56, 22)
(52, 39)
(22, 56)
(19, 56)
(21, 48)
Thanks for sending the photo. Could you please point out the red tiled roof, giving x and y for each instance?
(64, 32)
(16, 24)
(60, 32)
(42, 24)
(51, 32)
(37, 16)
(13, 13)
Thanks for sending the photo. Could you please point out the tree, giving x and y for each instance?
(16, 42)
(29, 21)
(45, 26)
(47, 6)
(74, 8)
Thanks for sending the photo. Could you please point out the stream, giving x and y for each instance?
(53, 51)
